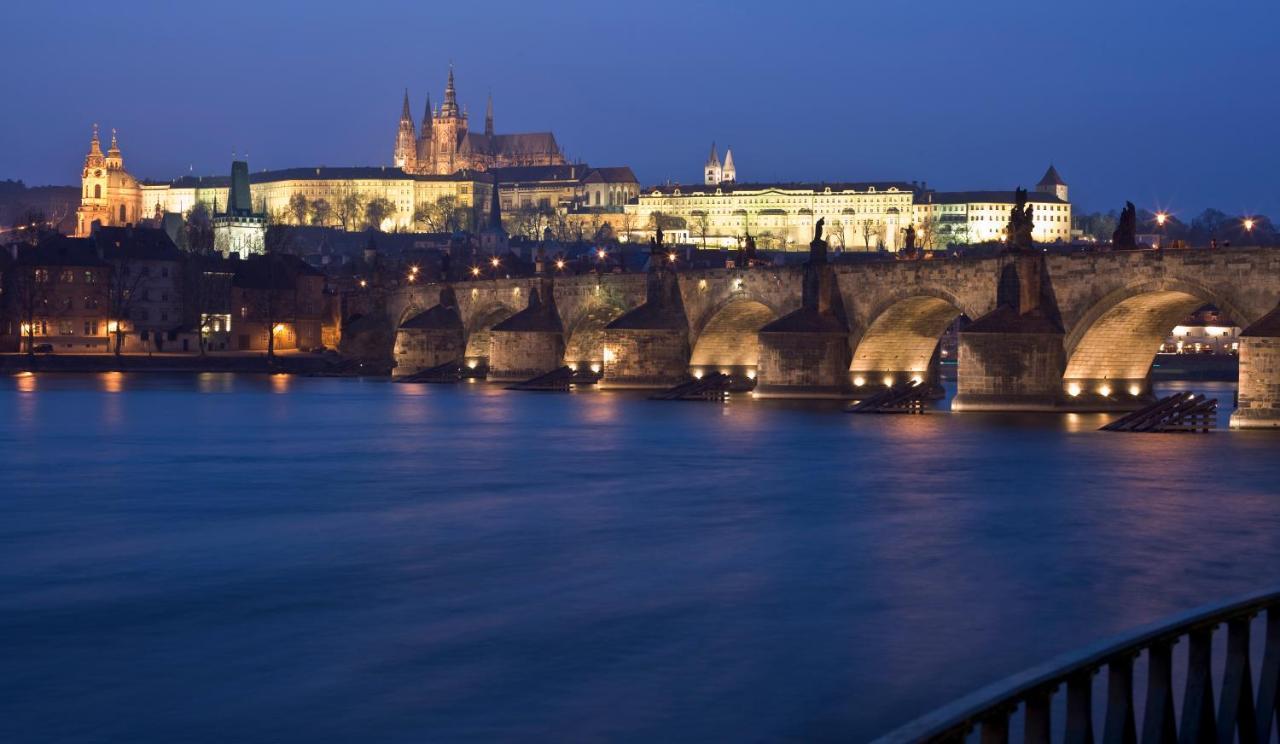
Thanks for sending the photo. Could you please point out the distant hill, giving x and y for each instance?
(16, 199)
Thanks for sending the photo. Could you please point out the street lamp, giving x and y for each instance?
(1248, 225)
(1161, 218)
(475, 271)
(559, 264)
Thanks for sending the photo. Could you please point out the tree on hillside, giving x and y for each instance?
(198, 229)
(298, 208)
(378, 210)
(350, 207)
(321, 212)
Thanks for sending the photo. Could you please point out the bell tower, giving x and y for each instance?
(712, 171)
(94, 202)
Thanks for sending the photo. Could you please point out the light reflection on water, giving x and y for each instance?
(336, 560)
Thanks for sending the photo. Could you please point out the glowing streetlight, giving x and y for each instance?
(1248, 224)
(1161, 218)
(559, 264)
(475, 271)
(600, 254)
(494, 262)
(671, 257)
(364, 283)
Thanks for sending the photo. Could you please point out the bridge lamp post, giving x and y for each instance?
(495, 263)
(1248, 226)
(1161, 218)
(475, 271)
(559, 264)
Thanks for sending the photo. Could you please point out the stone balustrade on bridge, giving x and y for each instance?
(1057, 332)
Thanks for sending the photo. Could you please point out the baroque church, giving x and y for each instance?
(445, 145)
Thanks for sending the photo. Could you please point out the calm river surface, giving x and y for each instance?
(222, 558)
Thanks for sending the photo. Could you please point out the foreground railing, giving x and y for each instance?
(1238, 712)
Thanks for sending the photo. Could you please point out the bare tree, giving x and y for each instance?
(835, 235)
(350, 207)
(33, 287)
(870, 229)
(298, 208)
(701, 227)
(125, 286)
(377, 211)
(198, 230)
(321, 212)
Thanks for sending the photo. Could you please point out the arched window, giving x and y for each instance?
(97, 191)
(122, 213)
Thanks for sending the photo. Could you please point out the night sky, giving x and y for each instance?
(1170, 104)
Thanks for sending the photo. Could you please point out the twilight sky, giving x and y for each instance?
(1171, 104)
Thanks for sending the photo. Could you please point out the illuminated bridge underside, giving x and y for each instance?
(586, 339)
(1122, 343)
(481, 332)
(730, 340)
(902, 339)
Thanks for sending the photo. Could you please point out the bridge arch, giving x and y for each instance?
(901, 336)
(727, 339)
(584, 334)
(480, 326)
(1110, 350)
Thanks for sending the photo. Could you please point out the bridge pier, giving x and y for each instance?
(1012, 358)
(805, 354)
(649, 346)
(1258, 405)
(529, 343)
(430, 338)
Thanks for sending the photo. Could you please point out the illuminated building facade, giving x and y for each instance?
(111, 196)
(858, 216)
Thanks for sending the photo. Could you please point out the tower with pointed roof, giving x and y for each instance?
(1052, 183)
(728, 174)
(406, 152)
(488, 118)
(713, 173)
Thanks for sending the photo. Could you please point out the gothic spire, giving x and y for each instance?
(488, 117)
(450, 106)
(404, 114)
(426, 116)
(713, 158)
(95, 145)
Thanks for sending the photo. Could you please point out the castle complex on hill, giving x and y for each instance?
(446, 145)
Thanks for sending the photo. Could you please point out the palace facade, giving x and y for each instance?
(866, 216)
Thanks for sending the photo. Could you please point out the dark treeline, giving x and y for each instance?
(1201, 230)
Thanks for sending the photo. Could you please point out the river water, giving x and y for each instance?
(221, 558)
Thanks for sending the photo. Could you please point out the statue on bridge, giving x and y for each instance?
(1021, 223)
(655, 243)
(1126, 232)
(818, 247)
(909, 242)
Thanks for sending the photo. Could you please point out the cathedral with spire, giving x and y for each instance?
(445, 145)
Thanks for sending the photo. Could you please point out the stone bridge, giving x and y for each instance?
(1049, 332)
